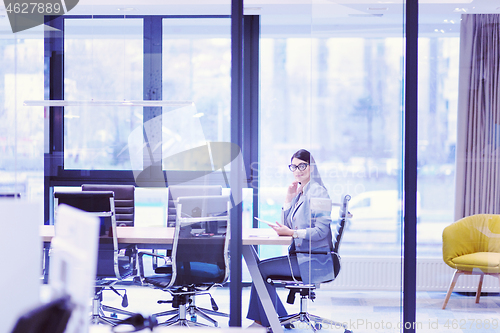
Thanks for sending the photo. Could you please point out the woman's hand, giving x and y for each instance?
(282, 230)
(292, 191)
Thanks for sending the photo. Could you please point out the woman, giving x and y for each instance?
(310, 229)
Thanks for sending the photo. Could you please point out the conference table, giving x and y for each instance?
(162, 238)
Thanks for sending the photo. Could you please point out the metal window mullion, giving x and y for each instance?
(235, 247)
(410, 166)
(152, 91)
(53, 156)
(251, 96)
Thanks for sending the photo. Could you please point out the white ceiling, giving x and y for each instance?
(329, 17)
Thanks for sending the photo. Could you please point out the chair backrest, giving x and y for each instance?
(124, 201)
(471, 234)
(340, 227)
(101, 204)
(338, 232)
(177, 191)
(98, 203)
(200, 249)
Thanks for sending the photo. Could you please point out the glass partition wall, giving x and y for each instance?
(21, 127)
(333, 86)
(457, 146)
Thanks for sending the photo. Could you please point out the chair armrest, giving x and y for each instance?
(312, 252)
(151, 254)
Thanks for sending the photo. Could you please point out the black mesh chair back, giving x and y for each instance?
(177, 191)
(200, 249)
(343, 216)
(101, 204)
(124, 201)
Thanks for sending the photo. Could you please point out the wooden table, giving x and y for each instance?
(165, 236)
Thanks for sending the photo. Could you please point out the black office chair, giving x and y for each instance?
(306, 291)
(174, 192)
(199, 259)
(114, 262)
(124, 201)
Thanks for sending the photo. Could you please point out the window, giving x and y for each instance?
(103, 61)
(196, 68)
(21, 127)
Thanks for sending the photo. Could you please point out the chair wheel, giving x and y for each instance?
(289, 326)
(318, 326)
(347, 331)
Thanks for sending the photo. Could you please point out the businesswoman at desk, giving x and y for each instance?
(310, 230)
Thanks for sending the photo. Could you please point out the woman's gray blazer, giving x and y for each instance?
(313, 252)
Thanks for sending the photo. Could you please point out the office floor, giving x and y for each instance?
(363, 311)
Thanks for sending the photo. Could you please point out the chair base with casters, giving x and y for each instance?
(99, 310)
(183, 299)
(314, 322)
(479, 287)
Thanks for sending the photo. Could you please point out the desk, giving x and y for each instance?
(127, 235)
(161, 237)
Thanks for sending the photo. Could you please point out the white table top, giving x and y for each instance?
(164, 235)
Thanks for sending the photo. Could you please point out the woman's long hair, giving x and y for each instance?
(305, 155)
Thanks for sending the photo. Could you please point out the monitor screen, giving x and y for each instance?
(203, 206)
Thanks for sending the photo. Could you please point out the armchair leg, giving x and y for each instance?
(452, 285)
(479, 286)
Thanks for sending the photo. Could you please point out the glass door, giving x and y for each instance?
(331, 83)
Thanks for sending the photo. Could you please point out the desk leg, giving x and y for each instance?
(45, 262)
(260, 286)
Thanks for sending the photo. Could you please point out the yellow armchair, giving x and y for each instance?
(472, 247)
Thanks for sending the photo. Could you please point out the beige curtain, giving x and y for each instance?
(478, 135)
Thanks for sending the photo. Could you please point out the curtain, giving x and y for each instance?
(478, 133)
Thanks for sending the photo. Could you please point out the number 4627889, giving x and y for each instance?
(34, 8)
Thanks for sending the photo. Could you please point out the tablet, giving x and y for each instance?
(271, 224)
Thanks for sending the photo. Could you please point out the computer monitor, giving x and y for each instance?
(203, 206)
(177, 191)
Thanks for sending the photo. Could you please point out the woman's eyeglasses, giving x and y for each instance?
(301, 167)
